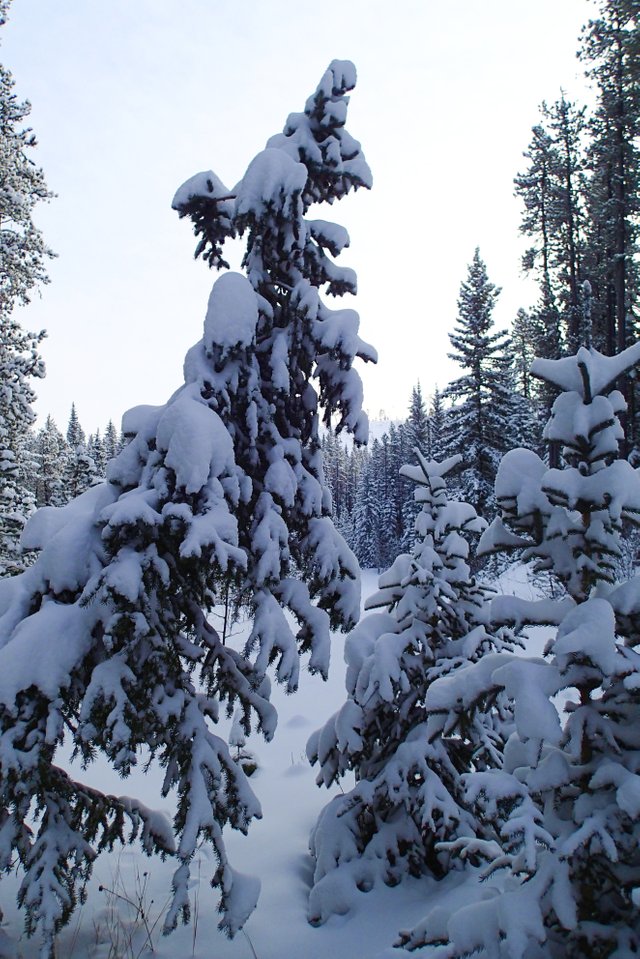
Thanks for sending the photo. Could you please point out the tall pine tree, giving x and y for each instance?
(610, 51)
(478, 422)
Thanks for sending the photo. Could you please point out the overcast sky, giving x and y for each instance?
(131, 97)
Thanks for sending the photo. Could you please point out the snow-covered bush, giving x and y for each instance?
(408, 765)
(105, 643)
(565, 807)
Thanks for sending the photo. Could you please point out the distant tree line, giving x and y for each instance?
(488, 410)
(580, 193)
(60, 466)
(48, 468)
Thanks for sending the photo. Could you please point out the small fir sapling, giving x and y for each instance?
(105, 642)
(408, 796)
(566, 804)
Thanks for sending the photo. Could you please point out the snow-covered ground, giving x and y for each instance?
(108, 926)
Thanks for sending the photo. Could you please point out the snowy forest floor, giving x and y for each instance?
(110, 924)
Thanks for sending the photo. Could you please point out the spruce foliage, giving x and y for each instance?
(23, 256)
(408, 798)
(478, 421)
(108, 633)
(564, 806)
(416, 437)
(23, 252)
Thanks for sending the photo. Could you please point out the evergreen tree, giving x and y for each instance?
(417, 422)
(564, 807)
(335, 459)
(16, 505)
(437, 426)
(610, 51)
(388, 492)
(525, 339)
(112, 442)
(358, 459)
(23, 253)
(397, 489)
(552, 191)
(106, 637)
(535, 188)
(75, 433)
(80, 472)
(416, 437)
(96, 450)
(478, 421)
(408, 796)
(22, 267)
(52, 457)
(367, 518)
(19, 365)
(527, 401)
(566, 123)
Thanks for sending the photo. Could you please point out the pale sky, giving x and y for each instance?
(132, 97)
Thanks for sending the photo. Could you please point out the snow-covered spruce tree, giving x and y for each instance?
(416, 436)
(80, 471)
(299, 340)
(97, 451)
(79, 467)
(552, 192)
(19, 364)
(112, 442)
(528, 420)
(16, 504)
(566, 804)
(391, 492)
(105, 644)
(408, 795)
(75, 433)
(50, 451)
(437, 425)
(367, 513)
(23, 254)
(609, 50)
(479, 420)
(395, 491)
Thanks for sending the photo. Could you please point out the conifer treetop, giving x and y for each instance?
(220, 490)
(588, 372)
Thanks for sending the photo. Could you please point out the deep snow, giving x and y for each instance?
(275, 850)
